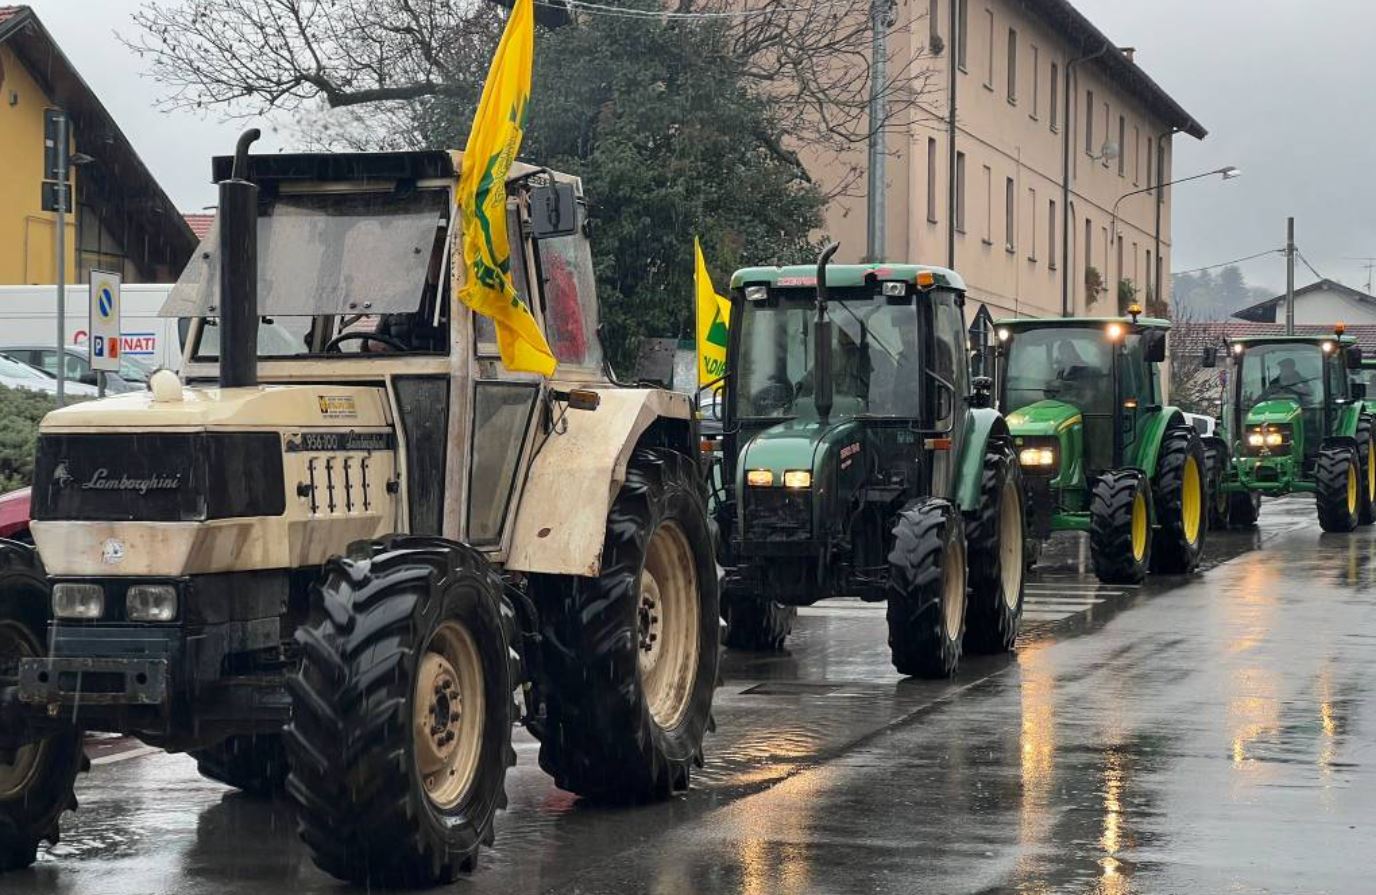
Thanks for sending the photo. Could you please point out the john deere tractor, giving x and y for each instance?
(1100, 450)
(862, 461)
(1297, 422)
(329, 571)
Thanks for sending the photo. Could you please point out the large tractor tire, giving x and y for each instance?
(927, 589)
(994, 536)
(1215, 460)
(1120, 542)
(255, 764)
(1337, 477)
(1244, 508)
(37, 780)
(631, 657)
(1180, 501)
(1366, 474)
(753, 623)
(402, 712)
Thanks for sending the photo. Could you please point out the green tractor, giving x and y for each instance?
(1298, 423)
(1100, 450)
(861, 459)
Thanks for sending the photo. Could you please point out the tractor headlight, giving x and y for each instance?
(894, 288)
(1269, 435)
(759, 478)
(797, 478)
(83, 601)
(151, 603)
(1039, 457)
(1255, 439)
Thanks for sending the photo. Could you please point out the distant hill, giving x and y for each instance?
(1214, 294)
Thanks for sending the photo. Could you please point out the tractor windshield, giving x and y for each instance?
(1366, 376)
(876, 365)
(1292, 370)
(1070, 364)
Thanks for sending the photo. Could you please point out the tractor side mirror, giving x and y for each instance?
(983, 392)
(1357, 390)
(1354, 358)
(1210, 358)
(553, 210)
(1155, 346)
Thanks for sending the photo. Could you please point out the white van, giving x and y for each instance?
(28, 316)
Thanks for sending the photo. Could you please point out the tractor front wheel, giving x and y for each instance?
(994, 534)
(1366, 473)
(756, 623)
(926, 590)
(1337, 477)
(1181, 503)
(402, 712)
(1120, 539)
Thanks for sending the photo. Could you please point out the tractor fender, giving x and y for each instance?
(1153, 431)
(982, 424)
(1345, 441)
(561, 521)
(1348, 419)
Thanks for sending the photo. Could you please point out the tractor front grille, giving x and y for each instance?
(778, 514)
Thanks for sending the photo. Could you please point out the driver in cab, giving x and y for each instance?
(1288, 378)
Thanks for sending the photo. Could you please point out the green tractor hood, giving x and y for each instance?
(792, 444)
(1048, 417)
(1275, 410)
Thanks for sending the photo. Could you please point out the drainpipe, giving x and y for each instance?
(1160, 179)
(1066, 142)
(953, 66)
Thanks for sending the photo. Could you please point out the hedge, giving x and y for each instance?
(20, 413)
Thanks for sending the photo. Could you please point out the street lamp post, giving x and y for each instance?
(1228, 172)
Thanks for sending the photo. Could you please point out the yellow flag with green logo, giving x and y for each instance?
(492, 145)
(713, 319)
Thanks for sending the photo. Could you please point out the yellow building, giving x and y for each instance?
(120, 220)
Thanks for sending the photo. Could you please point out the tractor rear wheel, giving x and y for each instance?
(1244, 508)
(1214, 461)
(1120, 539)
(927, 589)
(994, 536)
(1180, 501)
(255, 764)
(754, 623)
(1366, 474)
(631, 656)
(1338, 496)
(36, 779)
(402, 712)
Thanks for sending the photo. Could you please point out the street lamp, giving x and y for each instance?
(1227, 172)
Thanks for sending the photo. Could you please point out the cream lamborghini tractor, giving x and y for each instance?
(335, 570)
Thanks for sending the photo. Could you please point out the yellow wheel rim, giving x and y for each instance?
(1139, 526)
(1191, 500)
(1352, 487)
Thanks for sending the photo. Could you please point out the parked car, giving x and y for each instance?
(15, 374)
(14, 516)
(132, 376)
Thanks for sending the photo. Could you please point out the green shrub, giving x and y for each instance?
(20, 413)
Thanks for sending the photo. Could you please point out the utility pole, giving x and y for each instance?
(879, 52)
(61, 247)
(1289, 276)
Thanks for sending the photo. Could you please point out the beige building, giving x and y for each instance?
(1038, 89)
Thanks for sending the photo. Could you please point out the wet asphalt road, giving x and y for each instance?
(1203, 734)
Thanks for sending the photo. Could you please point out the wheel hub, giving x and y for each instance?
(448, 715)
(647, 622)
(667, 625)
(16, 776)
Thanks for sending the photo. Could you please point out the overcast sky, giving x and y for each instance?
(1284, 90)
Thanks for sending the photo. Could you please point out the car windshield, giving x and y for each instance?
(1070, 364)
(1282, 370)
(13, 369)
(876, 368)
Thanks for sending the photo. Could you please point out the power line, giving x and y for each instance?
(1308, 265)
(628, 12)
(1179, 273)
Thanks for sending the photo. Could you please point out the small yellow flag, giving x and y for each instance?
(713, 319)
(492, 146)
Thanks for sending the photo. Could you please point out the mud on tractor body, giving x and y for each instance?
(1296, 420)
(1100, 451)
(335, 570)
(857, 463)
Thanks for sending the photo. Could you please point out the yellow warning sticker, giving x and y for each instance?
(337, 406)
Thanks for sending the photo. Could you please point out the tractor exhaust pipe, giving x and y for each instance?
(823, 387)
(239, 271)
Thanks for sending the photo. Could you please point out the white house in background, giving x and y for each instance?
(1325, 302)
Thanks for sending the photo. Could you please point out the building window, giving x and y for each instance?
(1136, 155)
(1089, 122)
(1051, 223)
(988, 205)
(1010, 209)
(1089, 243)
(931, 179)
(1054, 112)
(1036, 82)
(1103, 234)
(960, 191)
(989, 59)
(1122, 144)
(1150, 154)
(1149, 279)
(933, 17)
(1106, 135)
(1162, 169)
(1031, 224)
(1013, 66)
(962, 32)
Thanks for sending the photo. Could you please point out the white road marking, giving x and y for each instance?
(138, 752)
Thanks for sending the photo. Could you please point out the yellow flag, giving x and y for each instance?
(492, 146)
(713, 318)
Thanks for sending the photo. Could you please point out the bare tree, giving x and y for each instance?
(1193, 387)
(375, 59)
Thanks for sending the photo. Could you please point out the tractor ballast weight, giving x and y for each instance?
(857, 465)
(1100, 450)
(329, 572)
(1295, 418)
